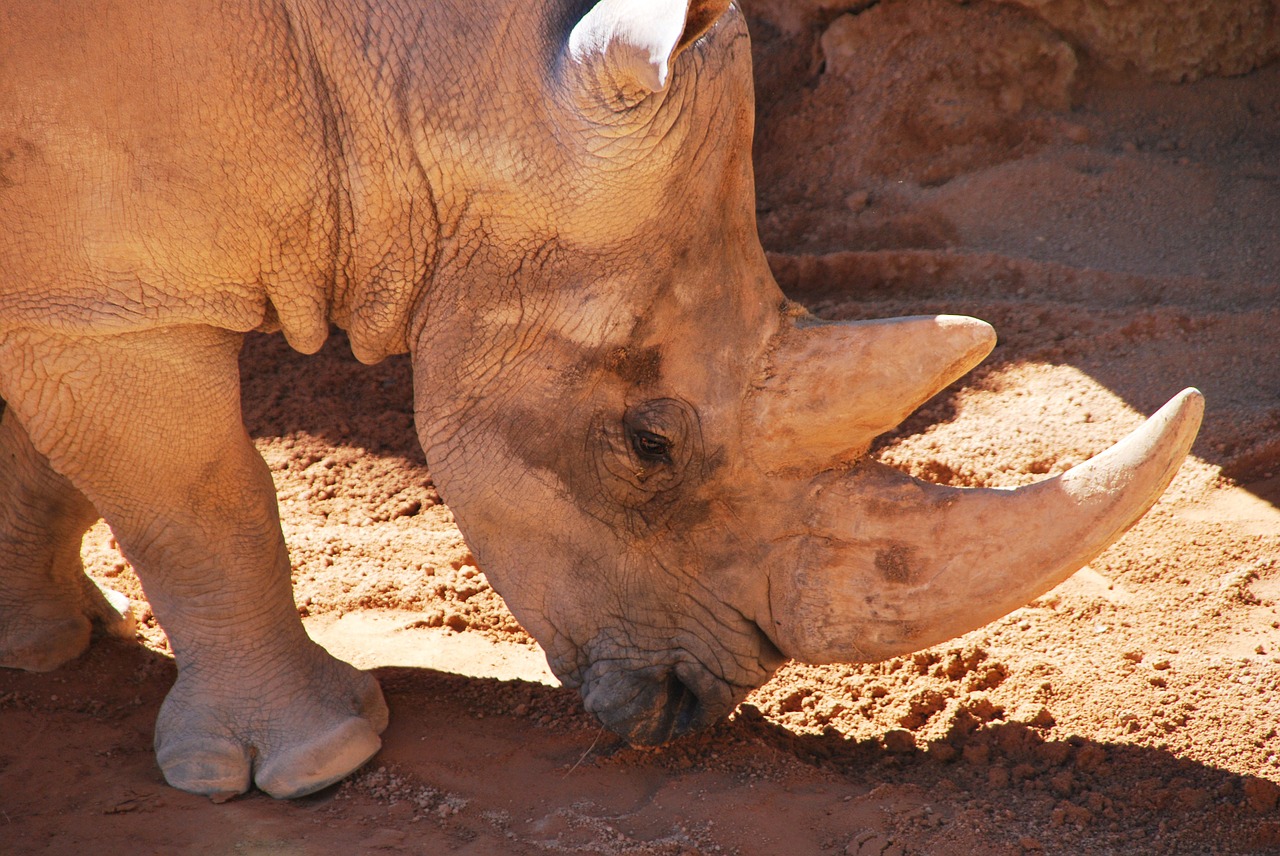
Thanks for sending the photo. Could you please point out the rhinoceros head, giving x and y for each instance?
(659, 461)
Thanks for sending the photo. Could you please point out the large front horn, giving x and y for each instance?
(885, 564)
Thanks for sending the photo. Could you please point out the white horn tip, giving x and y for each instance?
(1151, 455)
(979, 335)
(1190, 394)
(1181, 416)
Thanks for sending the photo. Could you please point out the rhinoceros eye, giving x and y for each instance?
(650, 447)
(654, 449)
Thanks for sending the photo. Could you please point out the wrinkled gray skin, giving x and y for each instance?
(628, 420)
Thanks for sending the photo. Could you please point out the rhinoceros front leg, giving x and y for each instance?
(47, 605)
(147, 425)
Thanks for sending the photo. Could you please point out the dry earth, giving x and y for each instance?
(1123, 237)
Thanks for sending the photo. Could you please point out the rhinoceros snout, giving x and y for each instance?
(647, 709)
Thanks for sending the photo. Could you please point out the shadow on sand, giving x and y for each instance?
(78, 738)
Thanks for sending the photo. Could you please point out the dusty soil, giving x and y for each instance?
(1123, 237)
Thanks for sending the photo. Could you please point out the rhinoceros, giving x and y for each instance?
(659, 461)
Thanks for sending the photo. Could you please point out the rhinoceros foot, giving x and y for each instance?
(290, 734)
(42, 643)
(40, 634)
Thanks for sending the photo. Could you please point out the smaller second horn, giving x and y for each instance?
(829, 389)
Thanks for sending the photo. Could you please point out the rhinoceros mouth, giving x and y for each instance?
(679, 713)
(647, 709)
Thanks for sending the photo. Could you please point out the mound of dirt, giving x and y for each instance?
(1173, 42)
(916, 156)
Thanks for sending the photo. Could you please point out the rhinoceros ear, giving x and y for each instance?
(633, 42)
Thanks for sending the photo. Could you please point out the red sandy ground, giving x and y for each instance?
(1125, 243)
